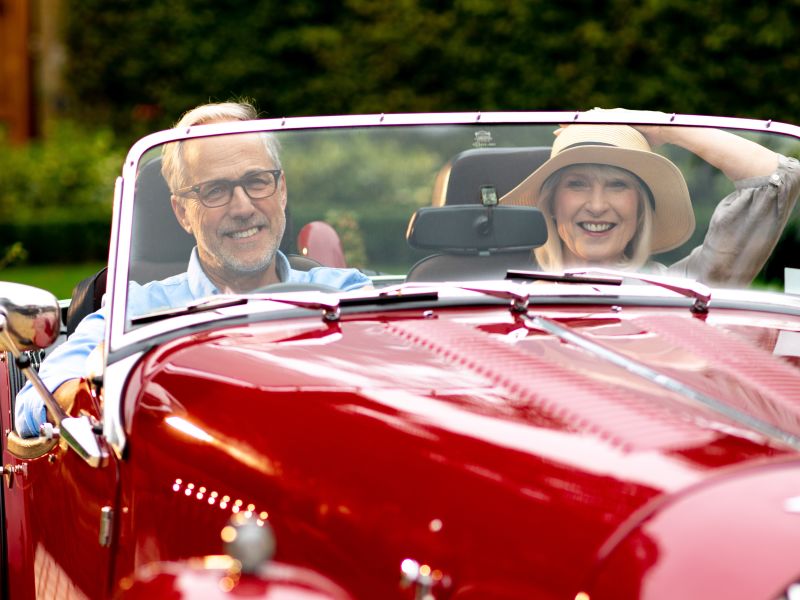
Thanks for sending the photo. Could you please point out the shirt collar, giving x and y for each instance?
(200, 285)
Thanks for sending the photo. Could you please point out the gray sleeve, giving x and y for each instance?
(744, 229)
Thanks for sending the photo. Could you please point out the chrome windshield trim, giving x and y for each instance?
(117, 276)
(115, 380)
(473, 118)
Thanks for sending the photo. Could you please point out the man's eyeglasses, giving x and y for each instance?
(218, 192)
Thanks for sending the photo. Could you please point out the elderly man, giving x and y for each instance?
(230, 194)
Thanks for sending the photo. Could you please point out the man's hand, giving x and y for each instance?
(66, 392)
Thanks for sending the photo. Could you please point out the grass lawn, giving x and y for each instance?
(57, 279)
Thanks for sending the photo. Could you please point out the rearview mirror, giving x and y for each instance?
(30, 316)
(476, 228)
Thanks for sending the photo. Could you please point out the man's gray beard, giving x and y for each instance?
(258, 266)
(233, 264)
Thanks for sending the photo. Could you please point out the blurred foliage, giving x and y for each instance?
(138, 65)
(59, 238)
(133, 67)
(15, 253)
(784, 256)
(379, 168)
(365, 184)
(346, 224)
(69, 174)
(56, 195)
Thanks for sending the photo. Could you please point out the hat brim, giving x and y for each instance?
(673, 219)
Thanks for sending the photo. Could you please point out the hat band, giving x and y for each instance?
(576, 144)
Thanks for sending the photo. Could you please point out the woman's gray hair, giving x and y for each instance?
(550, 256)
(172, 167)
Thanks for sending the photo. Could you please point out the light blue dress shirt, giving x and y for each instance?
(68, 361)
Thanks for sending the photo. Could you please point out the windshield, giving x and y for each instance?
(344, 208)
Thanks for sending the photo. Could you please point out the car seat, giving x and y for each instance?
(475, 177)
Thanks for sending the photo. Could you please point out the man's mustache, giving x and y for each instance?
(236, 224)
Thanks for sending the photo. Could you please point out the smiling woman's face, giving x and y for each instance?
(596, 212)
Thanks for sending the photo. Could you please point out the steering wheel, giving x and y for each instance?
(279, 288)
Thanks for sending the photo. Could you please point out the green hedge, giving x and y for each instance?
(61, 240)
(56, 195)
(139, 65)
(785, 255)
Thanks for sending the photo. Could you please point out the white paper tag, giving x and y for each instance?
(791, 278)
(787, 344)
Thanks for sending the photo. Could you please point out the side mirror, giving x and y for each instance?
(29, 316)
(30, 319)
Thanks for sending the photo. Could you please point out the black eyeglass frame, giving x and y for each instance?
(193, 191)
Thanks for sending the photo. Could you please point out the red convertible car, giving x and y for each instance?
(493, 362)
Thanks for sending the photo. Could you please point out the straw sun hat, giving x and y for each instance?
(625, 147)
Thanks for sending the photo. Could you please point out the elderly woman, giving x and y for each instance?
(611, 201)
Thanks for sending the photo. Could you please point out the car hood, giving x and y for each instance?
(470, 440)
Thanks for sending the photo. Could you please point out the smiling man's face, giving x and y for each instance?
(596, 214)
(237, 242)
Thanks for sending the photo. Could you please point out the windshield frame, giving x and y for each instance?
(117, 337)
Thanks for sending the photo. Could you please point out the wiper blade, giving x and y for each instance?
(691, 289)
(329, 304)
(393, 295)
(566, 277)
(311, 300)
(517, 294)
(198, 306)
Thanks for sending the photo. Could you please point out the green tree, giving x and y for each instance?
(140, 64)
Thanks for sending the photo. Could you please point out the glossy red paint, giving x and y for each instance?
(503, 439)
(196, 579)
(434, 452)
(741, 517)
(52, 511)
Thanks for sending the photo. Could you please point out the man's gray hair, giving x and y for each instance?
(172, 167)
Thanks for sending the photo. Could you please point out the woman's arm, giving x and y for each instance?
(735, 156)
(747, 223)
(744, 228)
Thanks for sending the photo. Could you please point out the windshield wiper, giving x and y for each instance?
(391, 295)
(330, 305)
(691, 289)
(198, 306)
(565, 277)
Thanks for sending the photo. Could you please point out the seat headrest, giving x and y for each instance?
(461, 179)
(155, 221)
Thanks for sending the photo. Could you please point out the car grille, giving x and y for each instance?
(16, 379)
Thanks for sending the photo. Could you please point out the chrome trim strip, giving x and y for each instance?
(497, 118)
(115, 381)
(665, 381)
(121, 226)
